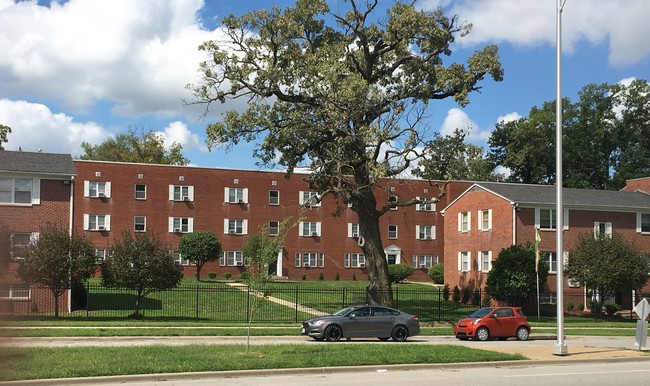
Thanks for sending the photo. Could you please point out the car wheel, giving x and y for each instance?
(400, 333)
(522, 333)
(482, 334)
(383, 338)
(333, 333)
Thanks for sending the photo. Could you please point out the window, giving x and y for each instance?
(310, 259)
(309, 229)
(463, 222)
(274, 197)
(392, 200)
(140, 191)
(354, 260)
(235, 226)
(15, 292)
(485, 261)
(140, 223)
(392, 231)
(179, 259)
(19, 244)
(547, 219)
(309, 199)
(97, 189)
(643, 222)
(422, 261)
(97, 222)
(236, 195)
(602, 229)
(464, 261)
(235, 258)
(181, 193)
(18, 190)
(551, 260)
(100, 255)
(425, 232)
(485, 220)
(353, 230)
(274, 228)
(426, 206)
(181, 224)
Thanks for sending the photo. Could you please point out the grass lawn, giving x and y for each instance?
(63, 362)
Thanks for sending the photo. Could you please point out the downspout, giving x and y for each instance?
(514, 223)
(70, 228)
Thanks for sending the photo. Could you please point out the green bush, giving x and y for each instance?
(245, 275)
(337, 277)
(321, 277)
(476, 297)
(466, 295)
(569, 305)
(354, 277)
(581, 306)
(212, 275)
(399, 272)
(611, 308)
(456, 294)
(227, 275)
(446, 292)
(304, 276)
(437, 273)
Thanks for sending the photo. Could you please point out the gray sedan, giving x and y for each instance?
(363, 321)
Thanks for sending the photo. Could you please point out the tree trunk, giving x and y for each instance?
(379, 286)
(56, 305)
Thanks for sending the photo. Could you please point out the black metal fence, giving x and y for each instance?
(218, 302)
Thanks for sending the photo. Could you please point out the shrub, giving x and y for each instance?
(456, 294)
(476, 297)
(437, 273)
(611, 308)
(581, 306)
(227, 275)
(354, 277)
(337, 277)
(446, 292)
(466, 295)
(212, 275)
(321, 277)
(245, 275)
(569, 305)
(304, 276)
(398, 272)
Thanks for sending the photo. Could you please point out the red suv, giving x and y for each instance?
(493, 322)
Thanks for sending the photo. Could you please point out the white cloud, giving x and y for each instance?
(458, 119)
(34, 126)
(622, 24)
(177, 132)
(509, 117)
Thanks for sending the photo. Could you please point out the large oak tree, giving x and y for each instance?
(344, 94)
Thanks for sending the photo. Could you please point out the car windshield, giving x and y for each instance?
(344, 311)
(481, 313)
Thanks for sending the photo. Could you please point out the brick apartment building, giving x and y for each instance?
(488, 217)
(35, 189)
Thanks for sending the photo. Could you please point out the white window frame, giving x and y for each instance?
(602, 228)
(353, 230)
(100, 256)
(422, 261)
(551, 260)
(97, 189)
(31, 237)
(426, 207)
(464, 261)
(309, 199)
(309, 228)
(464, 222)
(395, 232)
(484, 261)
(143, 223)
(142, 192)
(234, 258)
(274, 200)
(354, 260)
(538, 224)
(179, 259)
(181, 193)
(425, 232)
(15, 292)
(641, 225)
(484, 224)
(233, 226)
(181, 225)
(97, 222)
(12, 190)
(309, 259)
(274, 227)
(235, 195)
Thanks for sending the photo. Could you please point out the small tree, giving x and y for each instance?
(56, 259)
(399, 272)
(199, 248)
(141, 263)
(606, 265)
(437, 273)
(512, 278)
(260, 251)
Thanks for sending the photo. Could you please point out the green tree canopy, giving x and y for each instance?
(141, 263)
(56, 259)
(199, 247)
(607, 265)
(512, 278)
(135, 146)
(344, 94)
(4, 133)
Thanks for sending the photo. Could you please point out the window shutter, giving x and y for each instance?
(460, 221)
(225, 226)
(638, 222)
(86, 221)
(36, 191)
(469, 220)
(246, 195)
(349, 229)
(86, 188)
(244, 227)
(490, 259)
(171, 222)
(300, 228)
(433, 232)
(480, 261)
(565, 225)
(190, 224)
(318, 228)
(537, 218)
(480, 220)
(190, 193)
(459, 261)
(489, 219)
(107, 189)
(417, 232)
(226, 194)
(171, 192)
(469, 261)
(107, 222)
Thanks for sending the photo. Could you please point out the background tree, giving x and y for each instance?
(141, 263)
(56, 259)
(135, 146)
(199, 248)
(344, 95)
(607, 265)
(4, 133)
(259, 252)
(512, 278)
(5, 247)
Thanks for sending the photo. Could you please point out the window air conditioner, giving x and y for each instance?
(427, 238)
(101, 195)
(362, 265)
(232, 231)
(314, 234)
(423, 265)
(101, 228)
(177, 230)
(240, 201)
(186, 198)
(355, 234)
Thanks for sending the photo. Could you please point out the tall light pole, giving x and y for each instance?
(560, 346)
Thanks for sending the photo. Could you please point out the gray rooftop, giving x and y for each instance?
(536, 195)
(41, 163)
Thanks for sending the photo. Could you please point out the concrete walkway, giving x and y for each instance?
(301, 308)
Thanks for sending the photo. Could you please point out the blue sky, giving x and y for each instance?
(84, 70)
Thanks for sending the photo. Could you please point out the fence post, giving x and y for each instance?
(196, 308)
(248, 304)
(87, 298)
(439, 305)
(296, 307)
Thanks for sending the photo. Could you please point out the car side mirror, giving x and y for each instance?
(494, 316)
(352, 316)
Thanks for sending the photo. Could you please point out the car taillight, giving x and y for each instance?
(415, 318)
